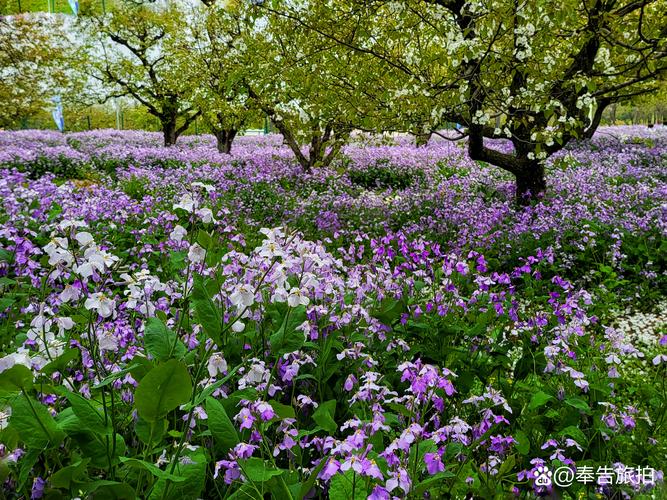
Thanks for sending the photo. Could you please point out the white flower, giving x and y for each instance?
(216, 364)
(207, 187)
(196, 254)
(296, 298)
(100, 303)
(178, 233)
(5, 414)
(243, 296)
(67, 223)
(238, 327)
(84, 238)
(273, 234)
(271, 249)
(96, 260)
(206, 215)
(70, 293)
(64, 323)
(58, 253)
(16, 358)
(187, 203)
(107, 342)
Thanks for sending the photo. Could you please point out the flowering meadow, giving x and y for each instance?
(177, 323)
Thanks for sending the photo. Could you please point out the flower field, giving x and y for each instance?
(177, 323)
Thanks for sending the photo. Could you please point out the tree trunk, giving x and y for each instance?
(169, 132)
(225, 138)
(530, 184)
(421, 140)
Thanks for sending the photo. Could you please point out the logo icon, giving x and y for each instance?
(542, 476)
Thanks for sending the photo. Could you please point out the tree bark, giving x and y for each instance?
(169, 132)
(224, 139)
(530, 183)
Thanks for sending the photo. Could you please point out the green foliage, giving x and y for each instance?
(383, 175)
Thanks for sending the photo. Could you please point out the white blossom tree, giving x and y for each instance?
(539, 73)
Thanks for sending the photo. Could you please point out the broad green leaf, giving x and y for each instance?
(575, 433)
(324, 416)
(161, 342)
(206, 311)
(162, 390)
(90, 418)
(60, 363)
(193, 471)
(151, 432)
(540, 398)
(110, 490)
(434, 481)
(221, 427)
(34, 423)
(342, 486)
(579, 404)
(258, 470)
(152, 468)
(15, 379)
(282, 410)
(287, 338)
(65, 477)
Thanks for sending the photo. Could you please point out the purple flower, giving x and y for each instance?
(265, 411)
(38, 486)
(379, 493)
(433, 463)
(246, 418)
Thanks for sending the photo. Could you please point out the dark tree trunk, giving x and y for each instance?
(169, 132)
(225, 138)
(530, 184)
(421, 140)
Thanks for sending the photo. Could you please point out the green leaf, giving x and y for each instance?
(65, 477)
(540, 398)
(5, 255)
(324, 416)
(206, 311)
(340, 487)
(436, 480)
(60, 363)
(161, 342)
(163, 389)
(34, 423)
(152, 468)
(6, 282)
(17, 378)
(5, 302)
(579, 404)
(90, 418)
(151, 433)
(522, 444)
(194, 473)
(258, 470)
(110, 490)
(221, 427)
(389, 311)
(282, 411)
(575, 433)
(287, 338)
(26, 464)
